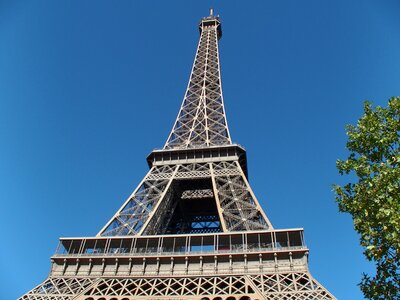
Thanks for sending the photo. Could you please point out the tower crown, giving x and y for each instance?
(211, 20)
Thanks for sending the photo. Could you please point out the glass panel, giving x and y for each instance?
(167, 245)
(115, 246)
(89, 247)
(152, 245)
(281, 239)
(208, 244)
(62, 247)
(195, 244)
(237, 242)
(266, 240)
(224, 243)
(100, 246)
(140, 246)
(180, 245)
(295, 239)
(252, 241)
(74, 247)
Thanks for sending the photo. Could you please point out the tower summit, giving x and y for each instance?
(193, 228)
(211, 20)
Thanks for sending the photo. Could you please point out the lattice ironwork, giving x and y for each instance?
(201, 121)
(186, 286)
(197, 194)
(153, 204)
(134, 213)
(290, 286)
(193, 228)
(299, 286)
(240, 208)
(59, 288)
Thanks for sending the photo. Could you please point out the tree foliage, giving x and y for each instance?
(373, 199)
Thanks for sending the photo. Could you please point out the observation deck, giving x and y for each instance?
(179, 255)
(211, 20)
(232, 152)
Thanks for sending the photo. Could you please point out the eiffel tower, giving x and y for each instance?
(193, 228)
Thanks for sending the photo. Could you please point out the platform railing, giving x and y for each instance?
(193, 244)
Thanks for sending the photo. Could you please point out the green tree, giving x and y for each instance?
(373, 199)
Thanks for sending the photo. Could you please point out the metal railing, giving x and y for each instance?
(194, 244)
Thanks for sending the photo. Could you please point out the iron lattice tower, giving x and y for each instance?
(193, 228)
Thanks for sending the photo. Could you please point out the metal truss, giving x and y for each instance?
(201, 121)
(197, 194)
(299, 286)
(151, 203)
(59, 288)
(136, 210)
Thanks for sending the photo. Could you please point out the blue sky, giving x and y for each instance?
(89, 88)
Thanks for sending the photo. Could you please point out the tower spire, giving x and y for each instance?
(201, 121)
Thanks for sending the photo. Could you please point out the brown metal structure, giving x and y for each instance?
(193, 228)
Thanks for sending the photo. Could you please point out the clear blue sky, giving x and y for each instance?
(89, 88)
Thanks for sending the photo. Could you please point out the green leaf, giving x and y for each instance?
(373, 199)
